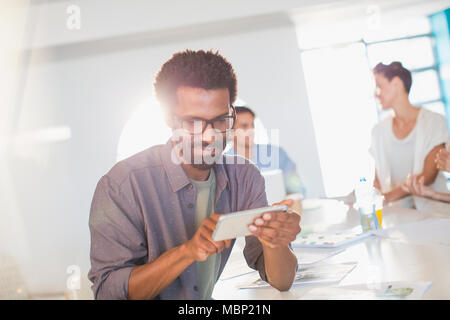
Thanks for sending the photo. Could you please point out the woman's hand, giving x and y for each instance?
(416, 186)
(443, 160)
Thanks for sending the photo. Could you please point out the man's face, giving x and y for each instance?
(196, 104)
(244, 130)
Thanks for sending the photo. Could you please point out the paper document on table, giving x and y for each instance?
(235, 269)
(310, 275)
(310, 256)
(397, 290)
(426, 232)
(330, 239)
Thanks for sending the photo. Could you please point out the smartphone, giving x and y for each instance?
(234, 225)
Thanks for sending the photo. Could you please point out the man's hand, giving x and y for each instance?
(443, 160)
(277, 229)
(201, 245)
(150, 279)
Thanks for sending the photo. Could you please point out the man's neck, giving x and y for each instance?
(195, 173)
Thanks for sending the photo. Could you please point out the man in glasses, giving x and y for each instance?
(153, 214)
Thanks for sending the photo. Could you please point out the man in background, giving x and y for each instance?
(265, 156)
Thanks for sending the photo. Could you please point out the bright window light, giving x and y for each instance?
(145, 128)
(412, 53)
(340, 89)
(425, 87)
(437, 107)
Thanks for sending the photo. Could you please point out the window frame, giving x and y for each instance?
(367, 44)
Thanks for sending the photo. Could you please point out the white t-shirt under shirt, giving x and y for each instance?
(205, 203)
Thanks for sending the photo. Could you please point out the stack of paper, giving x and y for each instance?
(310, 256)
(311, 275)
(330, 239)
(235, 269)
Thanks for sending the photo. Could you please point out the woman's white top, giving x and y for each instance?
(402, 157)
(395, 158)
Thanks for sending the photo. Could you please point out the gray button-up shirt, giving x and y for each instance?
(145, 205)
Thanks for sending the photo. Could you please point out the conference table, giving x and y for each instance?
(379, 258)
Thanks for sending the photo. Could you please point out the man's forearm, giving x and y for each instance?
(149, 280)
(281, 265)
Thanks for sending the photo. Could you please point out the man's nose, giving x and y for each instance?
(208, 134)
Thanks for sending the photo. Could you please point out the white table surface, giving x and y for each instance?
(379, 259)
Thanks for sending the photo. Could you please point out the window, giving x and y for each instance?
(340, 91)
(414, 52)
(425, 87)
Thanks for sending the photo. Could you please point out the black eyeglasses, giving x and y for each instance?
(222, 124)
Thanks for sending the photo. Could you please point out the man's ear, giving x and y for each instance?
(168, 117)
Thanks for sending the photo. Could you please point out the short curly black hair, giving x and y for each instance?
(197, 69)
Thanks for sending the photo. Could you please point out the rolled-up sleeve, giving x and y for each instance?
(253, 251)
(117, 240)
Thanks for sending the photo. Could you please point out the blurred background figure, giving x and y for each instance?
(407, 141)
(415, 184)
(265, 156)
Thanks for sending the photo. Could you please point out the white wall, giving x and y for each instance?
(105, 18)
(93, 86)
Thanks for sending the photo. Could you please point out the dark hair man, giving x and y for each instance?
(265, 156)
(153, 214)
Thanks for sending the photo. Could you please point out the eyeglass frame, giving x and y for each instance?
(207, 122)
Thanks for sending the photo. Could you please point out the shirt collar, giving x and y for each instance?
(178, 178)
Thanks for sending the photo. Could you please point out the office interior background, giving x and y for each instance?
(76, 97)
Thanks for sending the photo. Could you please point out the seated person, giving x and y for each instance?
(153, 214)
(264, 156)
(415, 184)
(407, 141)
